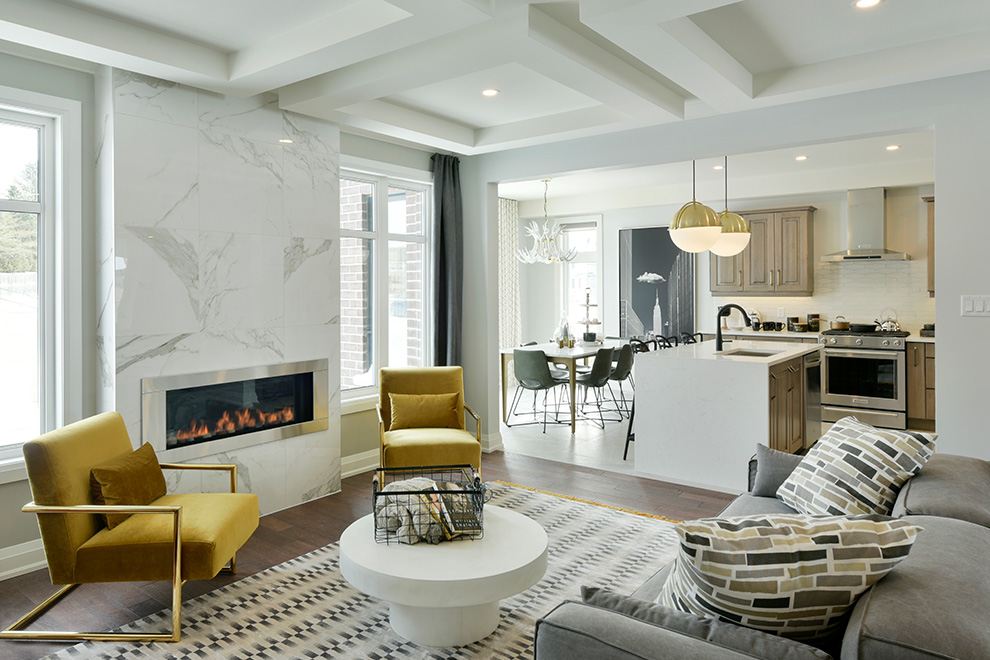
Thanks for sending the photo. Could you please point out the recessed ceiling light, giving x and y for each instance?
(866, 4)
(285, 141)
(489, 92)
(893, 147)
(801, 158)
(718, 167)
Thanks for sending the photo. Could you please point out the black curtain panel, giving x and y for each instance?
(448, 269)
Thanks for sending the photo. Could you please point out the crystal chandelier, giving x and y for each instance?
(547, 240)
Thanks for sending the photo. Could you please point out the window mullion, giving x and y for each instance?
(381, 271)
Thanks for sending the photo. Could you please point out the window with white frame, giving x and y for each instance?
(580, 284)
(384, 229)
(27, 278)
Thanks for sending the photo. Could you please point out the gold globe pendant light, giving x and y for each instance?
(695, 228)
(735, 230)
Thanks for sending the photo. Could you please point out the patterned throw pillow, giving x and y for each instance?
(855, 468)
(791, 575)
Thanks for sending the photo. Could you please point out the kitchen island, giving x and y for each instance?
(700, 414)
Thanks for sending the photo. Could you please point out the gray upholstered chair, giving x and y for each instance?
(535, 375)
(621, 372)
(597, 380)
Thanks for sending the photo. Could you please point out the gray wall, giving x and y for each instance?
(44, 78)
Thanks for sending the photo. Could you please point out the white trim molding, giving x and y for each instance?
(364, 461)
(22, 558)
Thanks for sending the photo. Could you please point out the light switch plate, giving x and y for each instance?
(971, 305)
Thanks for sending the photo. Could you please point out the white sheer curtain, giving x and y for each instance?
(509, 327)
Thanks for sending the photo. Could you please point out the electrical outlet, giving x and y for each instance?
(780, 312)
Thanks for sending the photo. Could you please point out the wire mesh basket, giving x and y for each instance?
(428, 504)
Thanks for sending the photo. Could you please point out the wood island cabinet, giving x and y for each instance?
(777, 261)
(930, 204)
(921, 381)
(787, 406)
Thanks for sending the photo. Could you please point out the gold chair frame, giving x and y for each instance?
(15, 630)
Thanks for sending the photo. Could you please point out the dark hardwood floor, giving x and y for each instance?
(300, 529)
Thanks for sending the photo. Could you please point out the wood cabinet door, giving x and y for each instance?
(795, 406)
(758, 270)
(916, 397)
(930, 203)
(791, 252)
(777, 412)
(786, 411)
(726, 273)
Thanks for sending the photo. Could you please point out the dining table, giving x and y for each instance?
(568, 356)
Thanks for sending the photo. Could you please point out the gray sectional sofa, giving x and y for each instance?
(934, 604)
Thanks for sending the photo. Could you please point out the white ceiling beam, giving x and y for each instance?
(564, 125)
(955, 55)
(360, 31)
(453, 55)
(660, 34)
(70, 31)
(572, 60)
(655, 11)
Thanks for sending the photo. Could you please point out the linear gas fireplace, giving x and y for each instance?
(197, 415)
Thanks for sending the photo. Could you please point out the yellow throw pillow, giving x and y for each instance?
(136, 478)
(424, 411)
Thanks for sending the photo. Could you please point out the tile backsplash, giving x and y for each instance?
(858, 291)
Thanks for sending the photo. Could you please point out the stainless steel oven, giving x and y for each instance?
(865, 376)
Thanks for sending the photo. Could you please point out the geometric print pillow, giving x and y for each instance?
(856, 468)
(790, 575)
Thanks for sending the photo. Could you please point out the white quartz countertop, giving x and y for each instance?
(781, 351)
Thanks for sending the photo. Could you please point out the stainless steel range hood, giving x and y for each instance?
(865, 235)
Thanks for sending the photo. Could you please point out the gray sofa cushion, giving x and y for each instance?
(772, 469)
(727, 637)
(575, 630)
(748, 505)
(948, 486)
(935, 604)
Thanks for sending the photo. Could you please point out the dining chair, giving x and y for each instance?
(597, 379)
(667, 342)
(639, 346)
(534, 374)
(622, 371)
(689, 338)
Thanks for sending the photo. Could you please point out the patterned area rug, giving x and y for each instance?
(303, 608)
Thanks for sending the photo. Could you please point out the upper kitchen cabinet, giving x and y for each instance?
(930, 203)
(778, 259)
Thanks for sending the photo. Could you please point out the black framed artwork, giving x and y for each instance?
(656, 284)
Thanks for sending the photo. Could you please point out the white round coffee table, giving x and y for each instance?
(446, 594)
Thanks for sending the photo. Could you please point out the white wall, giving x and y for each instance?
(227, 256)
(954, 107)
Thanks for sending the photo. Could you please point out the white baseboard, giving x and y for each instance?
(358, 463)
(491, 442)
(22, 558)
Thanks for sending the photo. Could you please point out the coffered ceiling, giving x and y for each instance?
(413, 70)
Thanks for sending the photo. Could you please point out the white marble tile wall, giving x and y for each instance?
(859, 291)
(227, 253)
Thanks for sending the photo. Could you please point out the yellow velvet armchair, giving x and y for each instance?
(421, 418)
(174, 538)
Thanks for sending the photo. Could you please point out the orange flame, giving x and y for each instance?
(232, 422)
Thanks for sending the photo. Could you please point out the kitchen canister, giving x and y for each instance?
(814, 322)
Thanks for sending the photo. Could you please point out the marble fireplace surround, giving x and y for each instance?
(155, 390)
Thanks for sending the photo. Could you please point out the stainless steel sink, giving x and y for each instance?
(749, 352)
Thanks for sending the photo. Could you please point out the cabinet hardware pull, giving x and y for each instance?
(915, 355)
(779, 277)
